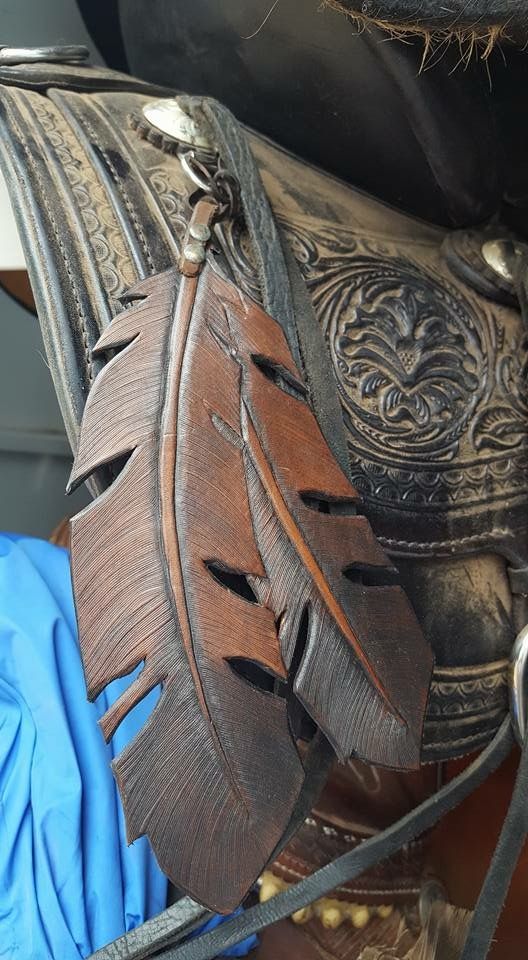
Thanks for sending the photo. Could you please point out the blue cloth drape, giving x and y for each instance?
(68, 881)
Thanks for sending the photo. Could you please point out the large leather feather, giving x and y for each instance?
(228, 539)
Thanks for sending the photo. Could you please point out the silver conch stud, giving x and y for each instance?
(500, 256)
(168, 117)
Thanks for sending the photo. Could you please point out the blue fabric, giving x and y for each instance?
(68, 881)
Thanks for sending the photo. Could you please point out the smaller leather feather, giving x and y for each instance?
(227, 551)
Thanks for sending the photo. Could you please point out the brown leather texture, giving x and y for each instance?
(229, 479)
(435, 410)
(286, 941)
(450, 507)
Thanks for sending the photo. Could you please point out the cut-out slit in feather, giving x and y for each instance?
(226, 431)
(222, 453)
(322, 503)
(370, 576)
(232, 580)
(281, 377)
(254, 674)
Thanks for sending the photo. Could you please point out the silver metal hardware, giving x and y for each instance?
(210, 177)
(518, 684)
(208, 174)
(200, 162)
(500, 256)
(16, 56)
(193, 170)
(194, 252)
(200, 231)
(168, 117)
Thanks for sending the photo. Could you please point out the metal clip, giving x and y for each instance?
(518, 684)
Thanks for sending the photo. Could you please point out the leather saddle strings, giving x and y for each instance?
(498, 878)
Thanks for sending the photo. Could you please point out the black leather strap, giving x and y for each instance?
(351, 864)
(497, 883)
(232, 145)
(170, 927)
(43, 76)
(97, 209)
(283, 291)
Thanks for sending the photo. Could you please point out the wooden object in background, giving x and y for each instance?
(16, 284)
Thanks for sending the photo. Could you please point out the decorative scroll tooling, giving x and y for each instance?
(431, 377)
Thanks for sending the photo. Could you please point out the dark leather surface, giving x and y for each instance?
(96, 211)
(352, 103)
(284, 941)
(99, 208)
(169, 927)
(41, 76)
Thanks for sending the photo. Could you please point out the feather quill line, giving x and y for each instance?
(283, 514)
(167, 469)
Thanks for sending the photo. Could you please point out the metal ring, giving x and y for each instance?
(218, 184)
(518, 684)
(16, 56)
(190, 170)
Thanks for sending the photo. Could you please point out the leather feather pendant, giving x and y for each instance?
(227, 557)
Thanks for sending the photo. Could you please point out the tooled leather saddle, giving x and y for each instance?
(302, 416)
